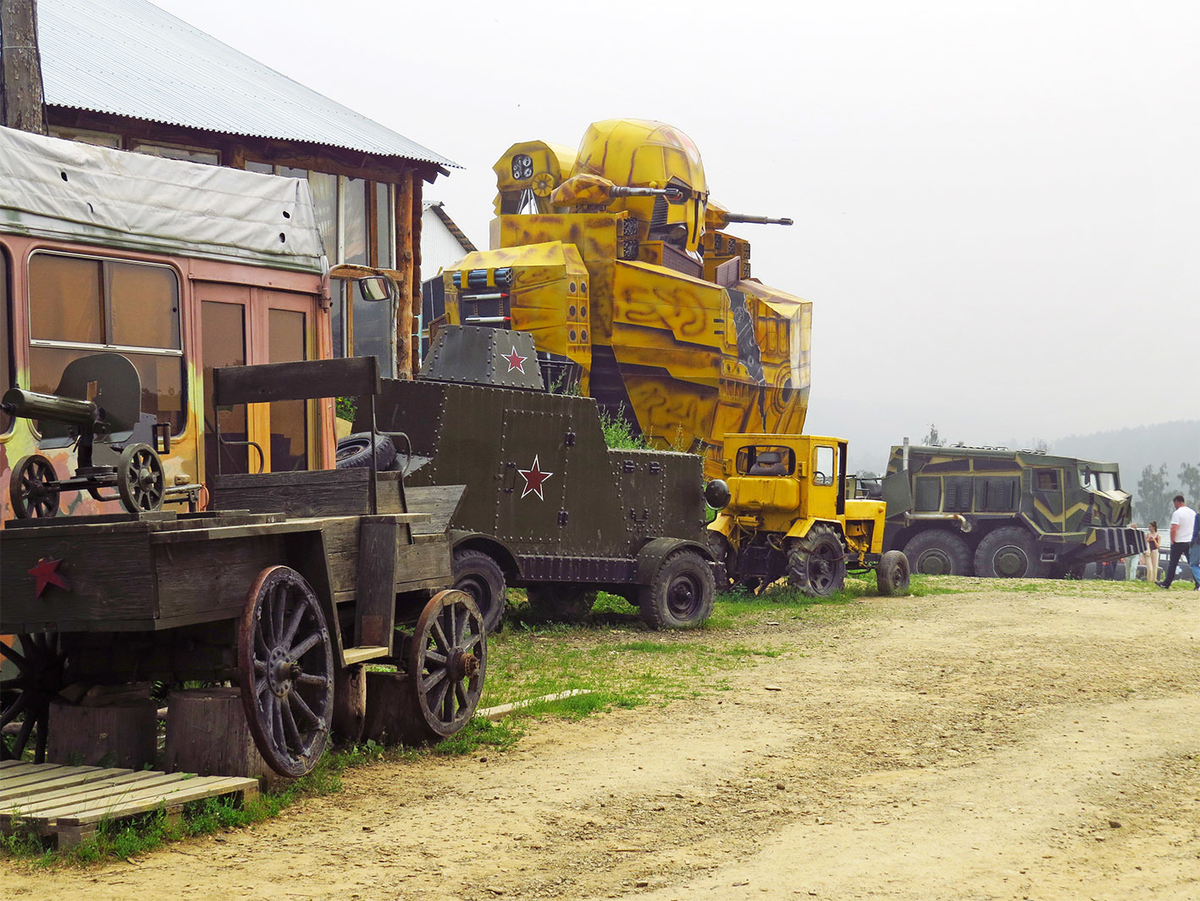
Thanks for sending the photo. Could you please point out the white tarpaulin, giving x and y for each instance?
(66, 190)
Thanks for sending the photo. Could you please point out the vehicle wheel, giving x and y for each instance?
(936, 552)
(482, 578)
(285, 668)
(447, 662)
(1008, 553)
(33, 488)
(892, 574)
(140, 479)
(817, 563)
(41, 674)
(561, 601)
(681, 594)
(722, 552)
(355, 452)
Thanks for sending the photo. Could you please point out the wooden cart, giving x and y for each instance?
(288, 582)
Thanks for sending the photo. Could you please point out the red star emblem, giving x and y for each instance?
(534, 477)
(46, 572)
(515, 361)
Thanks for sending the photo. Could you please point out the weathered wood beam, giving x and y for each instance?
(21, 97)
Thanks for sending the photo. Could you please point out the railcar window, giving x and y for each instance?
(84, 305)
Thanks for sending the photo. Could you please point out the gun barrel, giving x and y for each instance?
(756, 220)
(32, 405)
(670, 193)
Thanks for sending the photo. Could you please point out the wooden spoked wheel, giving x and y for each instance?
(447, 663)
(33, 488)
(140, 479)
(285, 665)
(40, 663)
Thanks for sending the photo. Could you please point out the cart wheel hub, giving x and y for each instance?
(281, 671)
(462, 665)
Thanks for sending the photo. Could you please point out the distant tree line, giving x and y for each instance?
(1155, 489)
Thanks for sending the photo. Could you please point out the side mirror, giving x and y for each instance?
(375, 288)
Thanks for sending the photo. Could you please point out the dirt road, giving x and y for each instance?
(994, 744)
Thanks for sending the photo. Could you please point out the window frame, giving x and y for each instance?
(107, 320)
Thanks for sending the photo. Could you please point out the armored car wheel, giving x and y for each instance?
(681, 595)
(447, 661)
(33, 488)
(936, 552)
(892, 574)
(561, 601)
(1009, 552)
(285, 667)
(41, 669)
(482, 578)
(140, 480)
(817, 563)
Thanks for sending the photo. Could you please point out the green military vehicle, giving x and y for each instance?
(995, 512)
(548, 506)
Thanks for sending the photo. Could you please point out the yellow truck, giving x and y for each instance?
(783, 511)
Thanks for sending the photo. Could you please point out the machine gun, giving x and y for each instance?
(96, 399)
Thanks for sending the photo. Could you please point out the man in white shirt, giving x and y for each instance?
(1183, 527)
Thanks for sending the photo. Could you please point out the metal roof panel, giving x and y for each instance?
(130, 58)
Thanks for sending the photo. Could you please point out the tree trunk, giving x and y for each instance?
(21, 97)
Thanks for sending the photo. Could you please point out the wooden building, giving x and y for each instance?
(126, 74)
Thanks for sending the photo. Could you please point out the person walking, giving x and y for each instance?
(1131, 563)
(1183, 527)
(1153, 543)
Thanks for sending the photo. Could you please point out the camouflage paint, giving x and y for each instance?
(1075, 520)
(696, 358)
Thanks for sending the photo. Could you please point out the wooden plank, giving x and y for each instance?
(213, 576)
(375, 607)
(220, 533)
(360, 655)
(52, 783)
(109, 574)
(103, 795)
(305, 380)
(440, 502)
(44, 804)
(418, 565)
(187, 790)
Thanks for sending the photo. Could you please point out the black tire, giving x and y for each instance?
(681, 594)
(1009, 552)
(817, 563)
(892, 574)
(936, 552)
(482, 578)
(561, 601)
(355, 451)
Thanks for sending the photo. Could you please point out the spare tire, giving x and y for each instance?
(355, 451)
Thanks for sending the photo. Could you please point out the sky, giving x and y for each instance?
(996, 205)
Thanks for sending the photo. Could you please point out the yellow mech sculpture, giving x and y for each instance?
(616, 261)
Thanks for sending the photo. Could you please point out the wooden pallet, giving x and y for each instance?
(70, 802)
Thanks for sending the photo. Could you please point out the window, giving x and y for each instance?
(823, 466)
(190, 154)
(289, 419)
(765, 460)
(1047, 479)
(84, 305)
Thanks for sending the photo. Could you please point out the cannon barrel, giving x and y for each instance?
(755, 220)
(670, 192)
(32, 405)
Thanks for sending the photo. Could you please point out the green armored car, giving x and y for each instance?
(999, 513)
(548, 506)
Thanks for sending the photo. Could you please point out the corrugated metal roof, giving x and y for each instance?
(130, 58)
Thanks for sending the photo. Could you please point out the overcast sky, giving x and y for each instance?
(997, 205)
